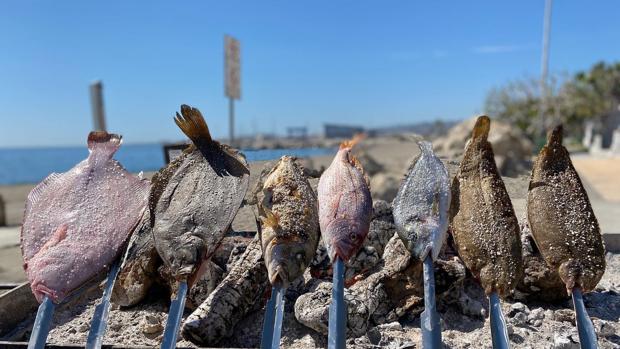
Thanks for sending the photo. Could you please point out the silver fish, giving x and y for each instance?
(422, 204)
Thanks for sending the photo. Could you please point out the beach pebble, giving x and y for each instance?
(83, 327)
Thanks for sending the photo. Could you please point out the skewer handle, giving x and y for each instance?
(99, 322)
(587, 335)
(430, 323)
(175, 314)
(499, 333)
(277, 326)
(42, 324)
(268, 321)
(337, 309)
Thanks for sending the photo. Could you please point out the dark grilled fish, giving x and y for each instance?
(483, 222)
(195, 198)
(76, 223)
(562, 220)
(422, 203)
(288, 221)
(345, 205)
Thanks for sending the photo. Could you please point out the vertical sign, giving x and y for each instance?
(96, 101)
(232, 68)
(232, 80)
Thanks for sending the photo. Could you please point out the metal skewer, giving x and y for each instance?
(99, 322)
(42, 324)
(499, 334)
(337, 309)
(277, 325)
(171, 332)
(268, 321)
(431, 326)
(587, 335)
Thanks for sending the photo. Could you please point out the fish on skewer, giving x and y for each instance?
(192, 203)
(76, 223)
(564, 227)
(421, 218)
(345, 209)
(288, 224)
(484, 225)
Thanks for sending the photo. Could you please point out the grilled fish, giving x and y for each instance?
(422, 203)
(288, 221)
(483, 222)
(345, 205)
(195, 198)
(562, 220)
(76, 223)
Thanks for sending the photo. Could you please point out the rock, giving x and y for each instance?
(241, 291)
(604, 328)
(518, 307)
(151, 325)
(512, 149)
(83, 327)
(539, 283)
(470, 306)
(384, 186)
(536, 314)
(391, 290)
(392, 326)
(564, 315)
(563, 341)
(519, 319)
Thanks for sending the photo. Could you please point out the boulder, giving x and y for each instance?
(513, 150)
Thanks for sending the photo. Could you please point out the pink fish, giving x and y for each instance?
(345, 205)
(76, 223)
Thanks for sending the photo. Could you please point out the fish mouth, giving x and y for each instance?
(279, 277)
(343, 249)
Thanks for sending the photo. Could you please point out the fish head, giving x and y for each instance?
(286, 260)
(346, 237)
(184, 255)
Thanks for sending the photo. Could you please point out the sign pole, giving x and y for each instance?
(231, 121)
(96, 101)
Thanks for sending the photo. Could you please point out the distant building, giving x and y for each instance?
(299, 132)
(341, 131)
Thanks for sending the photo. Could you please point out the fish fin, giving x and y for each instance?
(270, 219)
(102, 146)
(353, 141)
(160, 181)
(426, 147)
(193, 125)
(357, 164)
(481, 128)
(35, 194)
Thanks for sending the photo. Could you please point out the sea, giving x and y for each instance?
(32, 165)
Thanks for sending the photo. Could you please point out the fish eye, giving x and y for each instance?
(299, 256)
(353, 236)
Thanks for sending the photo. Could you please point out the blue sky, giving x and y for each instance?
(303, 63)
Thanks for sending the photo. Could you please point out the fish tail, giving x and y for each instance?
(103, 145)
(425, 147)
(555, 136)
(191, 122)
(481, 128)
(353, 141)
